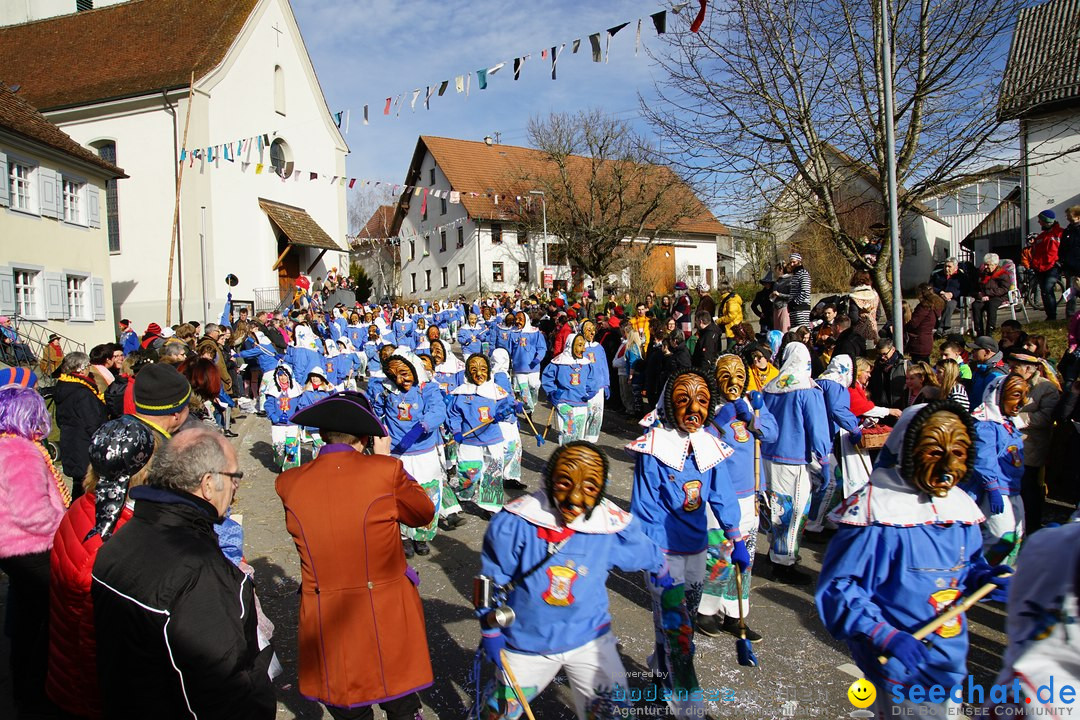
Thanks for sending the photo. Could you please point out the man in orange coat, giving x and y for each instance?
(362, 636)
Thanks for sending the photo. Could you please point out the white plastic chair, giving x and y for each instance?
(1013, 299)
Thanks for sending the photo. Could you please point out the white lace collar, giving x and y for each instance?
(606, 518)
(889, 500)
(672, 447)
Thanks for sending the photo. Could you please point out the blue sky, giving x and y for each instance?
(365, 51)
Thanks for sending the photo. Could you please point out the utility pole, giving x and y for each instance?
(890, 161)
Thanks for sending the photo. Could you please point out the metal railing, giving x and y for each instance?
(274, 299)
(36, 337)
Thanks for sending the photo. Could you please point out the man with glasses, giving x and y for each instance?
(175, 620)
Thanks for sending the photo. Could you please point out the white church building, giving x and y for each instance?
(130, 80)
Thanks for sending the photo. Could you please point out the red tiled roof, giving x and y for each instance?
(378, 226)
(21, 118)
(478, 167)
(122, 50)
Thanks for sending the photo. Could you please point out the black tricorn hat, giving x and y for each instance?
(346, 412)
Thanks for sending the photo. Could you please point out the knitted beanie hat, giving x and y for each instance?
(160, 390)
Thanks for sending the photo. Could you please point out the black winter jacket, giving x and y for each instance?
(176, 625)
(1069, 249)
(79, 413)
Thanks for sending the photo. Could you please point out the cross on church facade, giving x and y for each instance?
(277, 38)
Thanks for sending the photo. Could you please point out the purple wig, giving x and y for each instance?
(23, 413)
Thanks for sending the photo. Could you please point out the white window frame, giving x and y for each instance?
(461, 274)
(74, 200)
(427, 281)
(29, 281)
(413, 282)
(501, 276)
(445, 278)
(72, 296)
(29, 202)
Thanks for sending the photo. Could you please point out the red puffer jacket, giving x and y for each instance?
(72, 682)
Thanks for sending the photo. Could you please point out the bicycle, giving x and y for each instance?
(1030, 293)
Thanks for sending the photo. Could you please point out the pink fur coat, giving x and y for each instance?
(30, 502)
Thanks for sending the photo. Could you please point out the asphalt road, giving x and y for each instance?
(800, 663)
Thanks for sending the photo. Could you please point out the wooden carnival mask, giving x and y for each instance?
(372, 332)
(577, 348)
(519, 320)
(730, 377)
(576, 478)
(1014, 390)
(401, 372)
(428, 364)
(941, 454)
(385, 351)
(438, 352)
(690, 402)
(432, 333)
(477, 370)
(588, 330)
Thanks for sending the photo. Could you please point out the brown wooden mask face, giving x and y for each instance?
(588, 330)
(690, 399)
(476, 370)
(942, 454)
(373, 332)
(519, 320)
(577, 482)
(1013, 393)
(730, 377)
(426, 361)
(438, 353)
(577, 349)
(401, 373)
(385, 351)
(432, 333)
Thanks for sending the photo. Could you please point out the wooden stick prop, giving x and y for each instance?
(528, 419)
(952, 612)
(517, 688)
(174, 241)
(551, 416)
(757, 474)
(478, 427)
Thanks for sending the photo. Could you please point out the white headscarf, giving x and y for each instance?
(305, 338)
(566, 357)
(500, 361)
(839, 371)
(794, 372)
(487, 389)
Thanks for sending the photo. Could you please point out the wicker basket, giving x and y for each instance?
(875, 437)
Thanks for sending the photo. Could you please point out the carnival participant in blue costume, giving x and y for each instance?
(262, 352)
(799, 408)
(844, 434)
(548, 556)
(371, 348)
(449, 371)
(476, 409)
(528, 349)
(356, 330)
(337, 366)
(502, 332)
(412, 418)
(679, 477)
(316, 388)
(742, 423)
(500, 373)
(568, 383)
(402, 331)
(305, 353)
(909, 546)
(471, 336)
(595, 352)
(281, 401)
(999, 466)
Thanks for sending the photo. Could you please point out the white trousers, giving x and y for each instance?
(789, 501)
(595, 672)
(1003, 533)
(527, 386)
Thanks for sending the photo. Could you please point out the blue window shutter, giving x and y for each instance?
(47, 193)
(4, 180)
(55, 296)
(93, 205)
(97, 296)
(7, 290)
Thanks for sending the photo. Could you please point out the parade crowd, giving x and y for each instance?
(130, 594)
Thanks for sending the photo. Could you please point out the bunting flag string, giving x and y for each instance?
(232, 150)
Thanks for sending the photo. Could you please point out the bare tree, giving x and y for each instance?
(760, 101)
(604, 191)
(370, 220)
